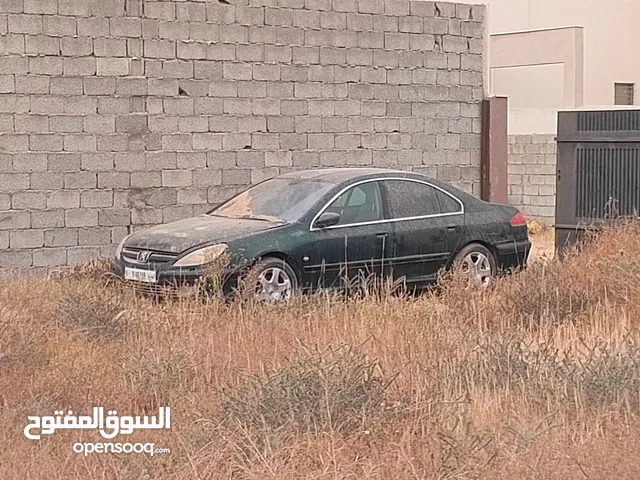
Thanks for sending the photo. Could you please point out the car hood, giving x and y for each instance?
(179, 236)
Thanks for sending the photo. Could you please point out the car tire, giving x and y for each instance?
(478, 262)
(270, 279)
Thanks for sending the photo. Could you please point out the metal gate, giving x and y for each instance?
(598, 171)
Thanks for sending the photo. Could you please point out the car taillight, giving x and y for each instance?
(518, 220)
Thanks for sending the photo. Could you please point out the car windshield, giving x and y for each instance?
(276, 200)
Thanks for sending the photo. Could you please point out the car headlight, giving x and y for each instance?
(203, 256)
(121, 246)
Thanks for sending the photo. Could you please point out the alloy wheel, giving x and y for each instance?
(478, 266)
(274, 284)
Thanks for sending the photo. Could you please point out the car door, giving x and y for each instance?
(356, 245)
(427, 226)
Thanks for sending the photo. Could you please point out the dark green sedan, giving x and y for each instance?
(320, 229)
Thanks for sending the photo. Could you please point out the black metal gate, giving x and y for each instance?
(598, 171)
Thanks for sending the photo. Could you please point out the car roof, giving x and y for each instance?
(343, 174)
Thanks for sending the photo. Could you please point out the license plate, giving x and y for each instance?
(147, 276)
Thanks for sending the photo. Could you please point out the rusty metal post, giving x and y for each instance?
(494, 162)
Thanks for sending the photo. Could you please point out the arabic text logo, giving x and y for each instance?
(109, 427)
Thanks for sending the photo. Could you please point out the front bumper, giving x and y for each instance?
(172, 280)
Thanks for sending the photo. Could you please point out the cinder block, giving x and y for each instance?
(386, 158)
(278, 16)
(237, 71)
(45, 65)
(14, 220)
(233, 34)
(45, 142)
(146, 179)
(110, 47)
(178, 106)
(80, 255)
(220, 194)
(383, 23)
(223, 123)
(25, 24)
(94, 236)
(49, 257)
(177, 212)
(192, 196)
(112, 67)
(278, 54)
(396, 41)
(235, 177)
(77, 180)
(278, 159)
(322, 5)
(250, 159)
(371, 6)
(333, 159)
(261, 174)
(12, 44)
(47, 180)
(16, 258)
(192, 50)
(455, 44)
(237, 106)
(266, 106)
(280, 124)
(47, 219)
(96, 199)
(173, 30)
(78, 66)
(472, 62)
(306, 19)
(29, 200)
(207, 141)
(205, 177)
(236, 141)
(80, 143)
(112, 217)
(66, 86)
(42, 45)
(280, 89)
(306, 159)
(81, 217)
(146, 216)
(397, 8)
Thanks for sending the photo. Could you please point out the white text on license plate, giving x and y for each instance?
(148, 276)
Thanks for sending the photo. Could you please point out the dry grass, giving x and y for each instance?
(538, 377)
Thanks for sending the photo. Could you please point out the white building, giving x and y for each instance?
(548, 55)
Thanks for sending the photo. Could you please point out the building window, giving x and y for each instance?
(625, 93)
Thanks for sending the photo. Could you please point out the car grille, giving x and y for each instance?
(130, 255)
(159, 290)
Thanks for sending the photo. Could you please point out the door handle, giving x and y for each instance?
(382, 235)
(452, 227)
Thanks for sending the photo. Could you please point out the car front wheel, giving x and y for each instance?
(270, 279)
(478, 263)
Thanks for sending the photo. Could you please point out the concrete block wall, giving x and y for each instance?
(121, 114)
(532, 175)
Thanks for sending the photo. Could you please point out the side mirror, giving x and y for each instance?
(328, 219)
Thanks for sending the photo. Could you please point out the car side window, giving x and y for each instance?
(359, 204)
(407, 199)
(447, 203)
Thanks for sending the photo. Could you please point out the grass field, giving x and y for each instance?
(536, 378)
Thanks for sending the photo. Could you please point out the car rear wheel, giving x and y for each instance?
(478, 263)
(270, 279)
